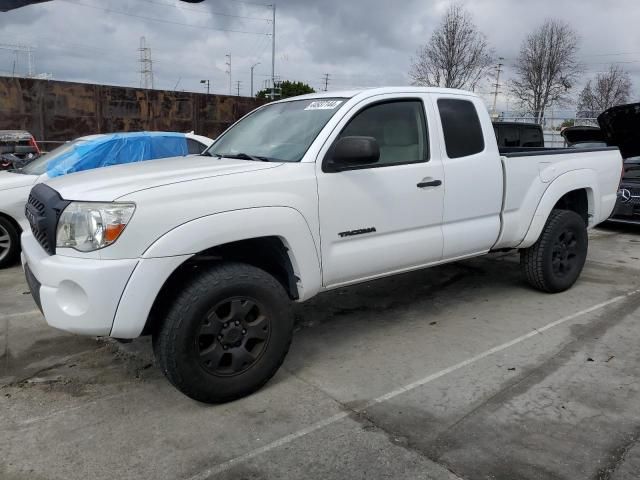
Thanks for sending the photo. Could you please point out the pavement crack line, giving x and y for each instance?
(361, 416)
(618, 456)
(226, 465)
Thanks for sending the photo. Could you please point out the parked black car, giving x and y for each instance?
(621, 128)
(628, 205)
(518, 134)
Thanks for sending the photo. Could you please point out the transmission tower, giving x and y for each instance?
(238, 83)
(228, 64)
(325, 79)
(146, 65)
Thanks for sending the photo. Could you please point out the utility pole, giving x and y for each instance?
(273, 55)
(146, 65)
(238, 86)
(228, 63)
(208, 82)
(497, 85)
(325, 77)
(252, 67)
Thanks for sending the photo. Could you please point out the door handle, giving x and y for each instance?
(432, 183)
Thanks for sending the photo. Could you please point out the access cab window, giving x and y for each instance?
(461, 127)
(399, 127)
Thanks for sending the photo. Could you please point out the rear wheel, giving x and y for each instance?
(555, 261)
(9, 243)
(226, 334)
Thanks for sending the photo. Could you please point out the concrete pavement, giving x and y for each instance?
(460, 371)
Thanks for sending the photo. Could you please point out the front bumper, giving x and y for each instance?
(627, 209)
(75, 294)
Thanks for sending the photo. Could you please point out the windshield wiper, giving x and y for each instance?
(243, 156)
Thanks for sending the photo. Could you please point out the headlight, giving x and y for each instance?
(87, 226)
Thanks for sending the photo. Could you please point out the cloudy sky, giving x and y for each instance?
(359, 43)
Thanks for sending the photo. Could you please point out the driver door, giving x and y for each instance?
(384, 217)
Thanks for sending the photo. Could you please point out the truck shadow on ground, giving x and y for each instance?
(392, 295)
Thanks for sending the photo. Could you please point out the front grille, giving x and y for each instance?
(43, 210)
(39, 234)
(633, 193)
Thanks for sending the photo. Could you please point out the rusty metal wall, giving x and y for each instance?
(60, 111)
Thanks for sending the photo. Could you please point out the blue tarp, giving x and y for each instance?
(117, 149)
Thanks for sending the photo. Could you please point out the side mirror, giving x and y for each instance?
(352, 152)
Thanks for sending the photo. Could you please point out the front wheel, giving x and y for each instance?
(9, 243)
(226, 334)
(555, 261)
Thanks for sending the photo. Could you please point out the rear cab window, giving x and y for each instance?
(461, 127)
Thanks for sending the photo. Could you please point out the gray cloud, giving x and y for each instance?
(359, 43)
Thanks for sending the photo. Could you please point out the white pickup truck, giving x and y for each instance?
(299, 197)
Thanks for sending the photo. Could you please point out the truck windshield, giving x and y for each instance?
(279, 132)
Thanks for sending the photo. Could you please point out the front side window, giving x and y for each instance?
(398, 127)
(461, 127)
(277, 132)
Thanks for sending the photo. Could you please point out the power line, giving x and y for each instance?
(161, 20)
(204, 10)
(17, 49)
(252, 3)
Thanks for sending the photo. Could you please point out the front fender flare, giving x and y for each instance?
(213, 230)
(175, 247)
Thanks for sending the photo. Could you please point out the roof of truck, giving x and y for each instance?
(370, 92)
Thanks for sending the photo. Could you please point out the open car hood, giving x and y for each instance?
(621, 128)
(582, 134)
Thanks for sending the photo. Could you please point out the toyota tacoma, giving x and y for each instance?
(299, 197)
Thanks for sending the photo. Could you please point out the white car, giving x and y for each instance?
(79, 155)
(300, 196)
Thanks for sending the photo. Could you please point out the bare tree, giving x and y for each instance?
(605, 91)
(456, 56)
(546, 68)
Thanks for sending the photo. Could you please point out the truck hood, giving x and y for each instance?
(110, 183)
(15, 180)
(621, 128)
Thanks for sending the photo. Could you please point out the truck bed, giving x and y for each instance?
(529, 172)
(536, 151)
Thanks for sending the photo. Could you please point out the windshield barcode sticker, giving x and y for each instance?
(324, 105)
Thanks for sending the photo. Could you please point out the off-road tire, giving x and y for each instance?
(177, 340)
(10, 252)
(542, 262)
